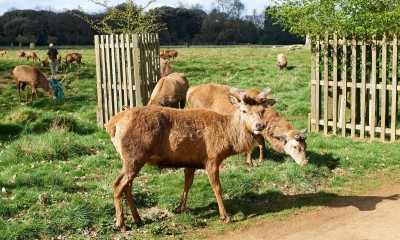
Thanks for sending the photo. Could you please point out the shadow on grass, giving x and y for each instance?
(8, 131)
(252, 205)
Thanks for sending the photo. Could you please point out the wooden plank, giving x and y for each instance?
(384, 92)
(335, 83)
(313, 87)
(317, 86)
(363, 110)
(124, 71)
(109, 80)
(119, 75)
(326, 87)
(114, 75)
(353, 87)
(100, 113)
(344, 90)
(128, 46)
(136, 70)
(393, 111)
(104, 81)
(372, 102)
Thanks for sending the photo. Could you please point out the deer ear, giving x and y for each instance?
(233, 99)
(268, 103)
(281, 137)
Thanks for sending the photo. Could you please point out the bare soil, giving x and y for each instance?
(375, 215)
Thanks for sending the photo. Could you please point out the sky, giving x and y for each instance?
(90, 7)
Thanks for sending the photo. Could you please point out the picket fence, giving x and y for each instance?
(355, 87)
(127, 70)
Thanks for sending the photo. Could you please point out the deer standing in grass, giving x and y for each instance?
(188, 138)
(26, 75)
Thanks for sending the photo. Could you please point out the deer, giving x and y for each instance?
(181, 138)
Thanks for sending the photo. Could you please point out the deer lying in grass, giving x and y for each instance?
(188, 138)
(33, 77)
(282, 136)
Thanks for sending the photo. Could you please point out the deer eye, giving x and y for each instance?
(244, 111)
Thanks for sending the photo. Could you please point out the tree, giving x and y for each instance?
(22, 39)
(359, 17)
(125, 18)
(234, 8)
(181, 24)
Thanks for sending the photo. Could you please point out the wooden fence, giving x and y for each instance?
(127, 70)
(355, 87)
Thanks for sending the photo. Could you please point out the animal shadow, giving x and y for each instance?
(252, 204)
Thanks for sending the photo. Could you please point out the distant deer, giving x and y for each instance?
(33, 77)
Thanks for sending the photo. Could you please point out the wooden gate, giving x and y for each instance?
(355, 87)
(127, 70)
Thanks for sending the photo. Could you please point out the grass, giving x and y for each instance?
(56, 166)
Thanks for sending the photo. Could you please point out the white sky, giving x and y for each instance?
(90, 7)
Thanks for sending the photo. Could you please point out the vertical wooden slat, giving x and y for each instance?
(113, 75)
(104, 80)
(326, 79)
(363, 111)
(129, 70)
(109, 80)
(124, 71)
(372, 110)
(313, 88)
(394, 89)
(317, 85)
(136, 72)
(335, 83)
(353, 86)
(344, 89)
(119, 77)
(100, 113)
(384, 89)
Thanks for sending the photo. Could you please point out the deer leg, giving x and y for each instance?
(118, 201)
(23, 89)
(34, 91)
(19, 93)
(189, 176)
(213, 176)
(182, 103)
(249, 162)
(123, 184)
(131, 202)
(261, 143)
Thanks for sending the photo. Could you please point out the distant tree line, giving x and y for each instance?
(182, 26)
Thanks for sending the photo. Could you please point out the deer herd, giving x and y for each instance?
(220, 121)
(25, 75)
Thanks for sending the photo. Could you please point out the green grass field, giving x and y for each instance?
(56, 166)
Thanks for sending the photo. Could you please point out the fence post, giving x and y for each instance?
(394, 89)
(363, 110)
(100, 118)
(326, 82)
(372, 100)
(335, 82)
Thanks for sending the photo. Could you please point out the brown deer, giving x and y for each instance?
(189, 138)
(73, 57)
(170, 91)
(33, 77)
(282, 136)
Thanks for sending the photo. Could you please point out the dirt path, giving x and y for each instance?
(372, 216)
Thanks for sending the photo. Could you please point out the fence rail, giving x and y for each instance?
(127, 69)
(355, 87)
